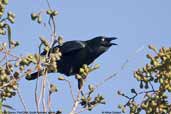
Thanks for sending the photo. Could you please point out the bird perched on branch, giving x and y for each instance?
(77, 53)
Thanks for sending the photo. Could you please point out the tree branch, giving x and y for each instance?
(22, 101)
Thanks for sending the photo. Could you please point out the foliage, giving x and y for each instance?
(8, 82)
(13, 68)
(155, 78)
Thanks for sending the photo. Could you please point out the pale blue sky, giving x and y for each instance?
(136, 23)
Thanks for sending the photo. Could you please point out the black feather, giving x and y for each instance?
(77, 53)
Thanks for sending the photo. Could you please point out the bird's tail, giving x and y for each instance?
(33, 76)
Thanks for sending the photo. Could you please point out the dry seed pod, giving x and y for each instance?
(61, 78)
(44, 41)
(34, 16)
(54, 13)
(49, 12)
(60, 40)
(53, 88)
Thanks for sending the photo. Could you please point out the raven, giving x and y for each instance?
(77, 53)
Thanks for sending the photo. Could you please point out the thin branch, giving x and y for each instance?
(22, 101)
(53, 29)
(152, 86)
(43, 92)
(136, 94)
(49, 102)
(121, 69)
(49, 97)
(3, 58)
(36, 97)
(12, 81)
(76, 103)
(7, 52)
(6, 84)
(54, 26)
(71, 91)
(37, 81)
(84, 109)
(48, 4)
(105, 80)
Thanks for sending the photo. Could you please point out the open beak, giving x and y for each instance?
(109, 39)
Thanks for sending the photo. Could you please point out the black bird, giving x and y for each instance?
(77, 53)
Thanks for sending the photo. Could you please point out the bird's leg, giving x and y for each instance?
(82, 93)
(80, 85)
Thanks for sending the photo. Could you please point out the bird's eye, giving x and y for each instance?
(103, 39)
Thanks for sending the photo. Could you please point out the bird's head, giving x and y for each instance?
(101, 43)
(104, 41)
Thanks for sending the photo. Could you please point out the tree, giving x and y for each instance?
(14, 68)
(155, 82)
(154, 78)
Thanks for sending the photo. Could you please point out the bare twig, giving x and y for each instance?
(84, 109)
(71, 91)
(22, 101)
(49, 102)
(42, 92)
(52, 27)
(49, 97)
(105, 80)
(76, 103)
(152, 86)
(36, 97)
(37, 81)
(47, 1)
(7, 52)
(136, 94)
(6, 84)
(3, 58)
(121, 69)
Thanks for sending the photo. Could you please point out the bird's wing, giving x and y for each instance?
(69, 47)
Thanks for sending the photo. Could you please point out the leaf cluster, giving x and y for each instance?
(155, 78)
